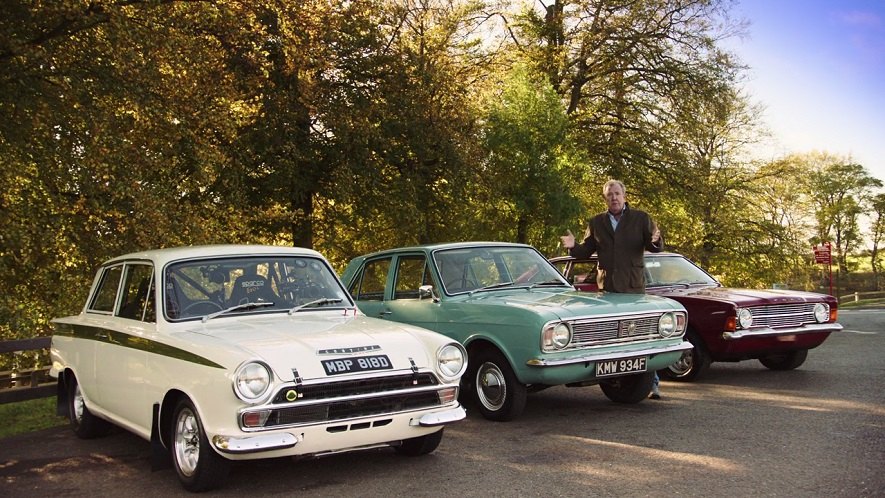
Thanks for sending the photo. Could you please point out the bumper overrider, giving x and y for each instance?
(770, 332)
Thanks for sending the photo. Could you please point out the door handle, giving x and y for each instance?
(386, 312)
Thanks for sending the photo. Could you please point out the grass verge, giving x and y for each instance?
(28, 416)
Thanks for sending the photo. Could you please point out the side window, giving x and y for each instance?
(373, 280)
(137, 301)
(106, 295)
(583, 273)
(410, 274)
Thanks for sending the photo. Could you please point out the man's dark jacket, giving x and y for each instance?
(621, 262)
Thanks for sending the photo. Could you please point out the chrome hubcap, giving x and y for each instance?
(187, 442)
(79, 404)
(684, 364)
(491, 387)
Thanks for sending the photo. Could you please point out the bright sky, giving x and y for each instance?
(818, 68)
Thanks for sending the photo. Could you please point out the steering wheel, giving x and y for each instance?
(209, 307)
(466, 284)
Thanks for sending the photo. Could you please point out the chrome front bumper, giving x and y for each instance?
(769, 332)
(283, 440)
(616, 355)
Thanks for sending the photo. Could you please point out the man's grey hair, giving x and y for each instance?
(609, 183)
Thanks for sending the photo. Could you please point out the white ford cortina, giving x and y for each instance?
(223, 353)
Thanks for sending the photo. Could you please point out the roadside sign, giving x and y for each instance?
(823, 253)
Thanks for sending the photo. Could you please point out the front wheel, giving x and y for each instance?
(691, 365)
(198, 467)
(785, 361)
(498, 393)
(629, 389)
(83, 422)
(422, 445)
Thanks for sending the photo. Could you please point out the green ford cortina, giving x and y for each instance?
(524, 326)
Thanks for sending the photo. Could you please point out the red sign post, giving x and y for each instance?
(823, 254)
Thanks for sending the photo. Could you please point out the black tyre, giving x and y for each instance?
(629, 389)
(198, 466)
(497, 392)
(83, 422)
(418, 446)
(691, 365)
(785, 361)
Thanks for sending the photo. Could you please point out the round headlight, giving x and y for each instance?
(452, 360)
(667, 325)
(821, 312)
(559, 336)
(252, 381)
(745, 318)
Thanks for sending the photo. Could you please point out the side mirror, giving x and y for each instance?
(426, 292)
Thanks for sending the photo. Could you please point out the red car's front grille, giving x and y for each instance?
(783, 315)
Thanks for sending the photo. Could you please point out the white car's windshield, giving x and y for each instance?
(225, 286)
(663, 271)
(482, 268)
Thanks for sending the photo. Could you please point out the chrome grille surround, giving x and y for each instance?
(782, 315)
(328, 401)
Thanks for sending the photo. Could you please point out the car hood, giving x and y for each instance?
(738, 296)
(301, 342)
(573, 304)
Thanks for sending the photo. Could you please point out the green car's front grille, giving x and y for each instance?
(613, 330)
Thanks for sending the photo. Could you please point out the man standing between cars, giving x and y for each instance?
(620, 236)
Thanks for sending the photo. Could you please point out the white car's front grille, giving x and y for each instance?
(331, 401)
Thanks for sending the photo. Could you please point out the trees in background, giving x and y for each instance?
(353, 126)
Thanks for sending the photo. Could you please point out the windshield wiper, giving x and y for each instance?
(489, 287)
(243, 306)
(557, 283)
(315, 302)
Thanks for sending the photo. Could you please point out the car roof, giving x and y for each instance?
(445, 245)
(559, 259)
(163, 256)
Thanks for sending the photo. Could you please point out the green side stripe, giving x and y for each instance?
(125, 340)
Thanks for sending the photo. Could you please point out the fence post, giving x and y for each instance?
(856, 297)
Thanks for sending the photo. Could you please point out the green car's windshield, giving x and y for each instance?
(492, 267)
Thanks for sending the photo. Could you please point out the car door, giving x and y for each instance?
(404, 302)
(369, 286)
(94, 336)
(121, 358)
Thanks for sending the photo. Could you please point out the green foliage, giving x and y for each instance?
(529, 173)
(355, 126)
(28, 416)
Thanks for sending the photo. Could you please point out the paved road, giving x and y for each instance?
(743, 431)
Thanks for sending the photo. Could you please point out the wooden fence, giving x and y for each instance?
(21, 385)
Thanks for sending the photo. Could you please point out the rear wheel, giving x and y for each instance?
(785, 361)
(422, 445)
(83, 422)
(691, 365)
(628, 389)
(498, 393)
(198, 466)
